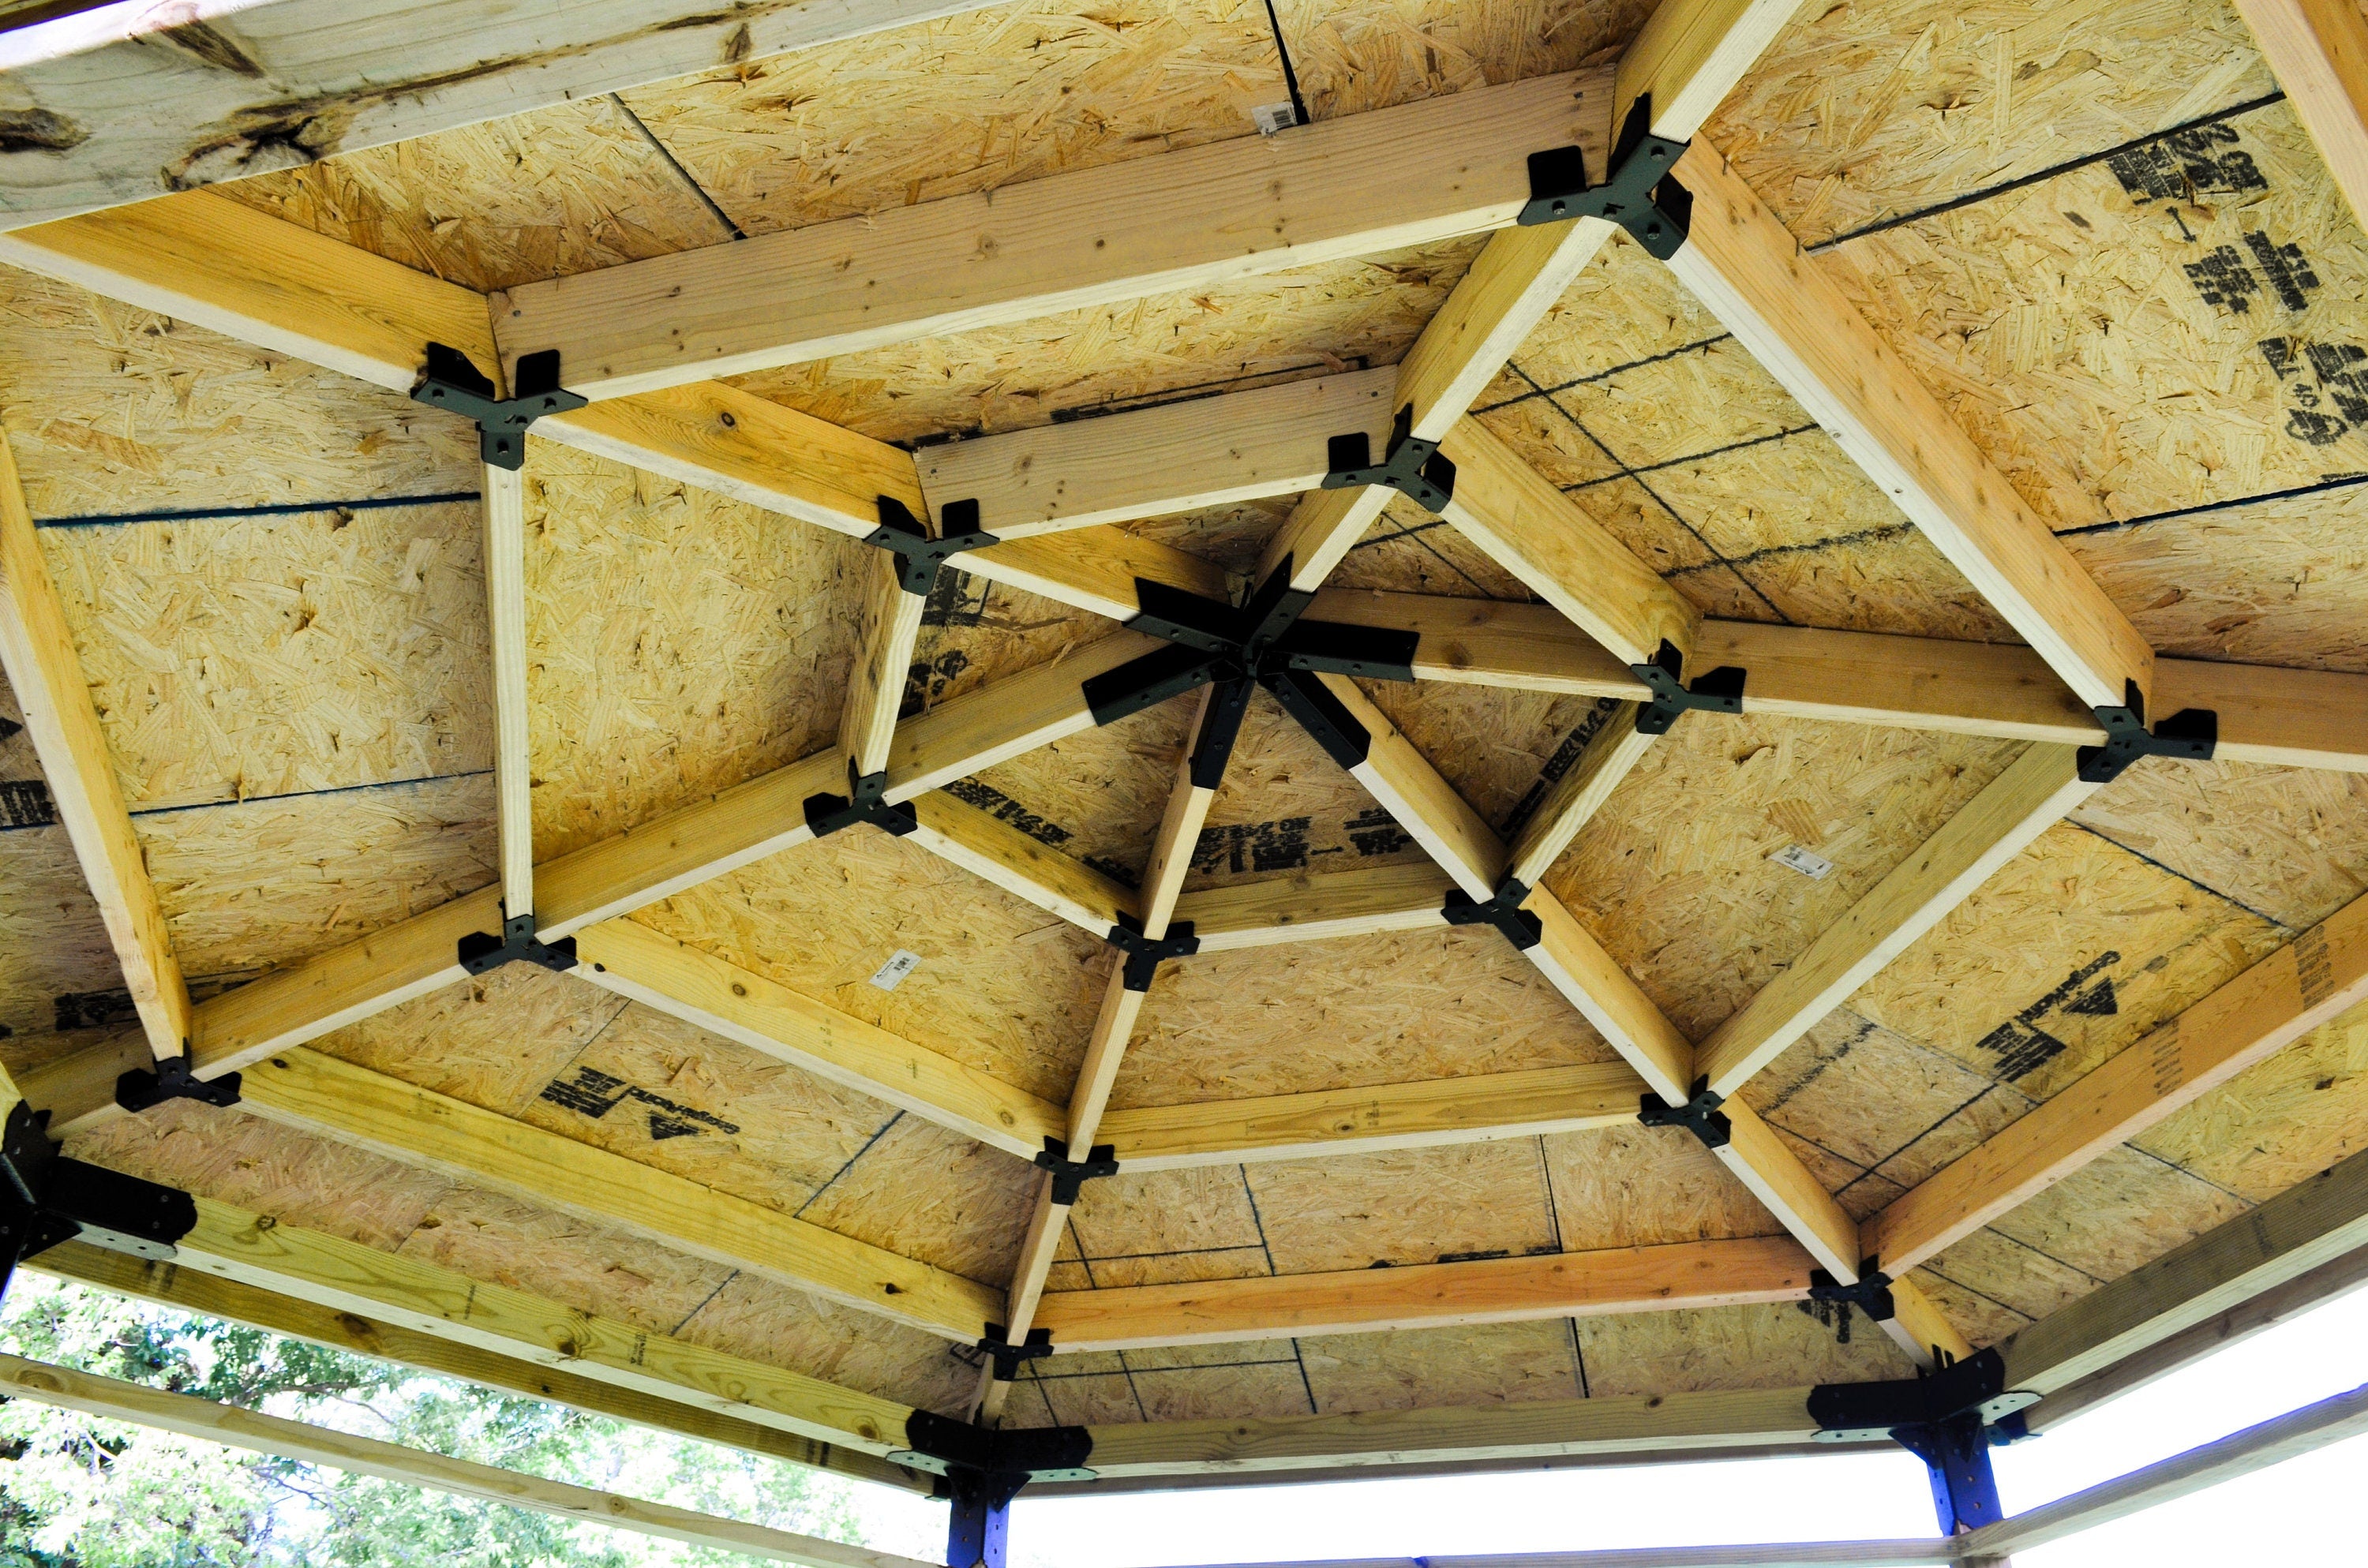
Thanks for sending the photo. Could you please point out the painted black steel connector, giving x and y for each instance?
(826, 814)
(1411, 466)
(1831, 1300)
(1720, 691)
(1950, 1418)
(1005, 1356)
(45, 1198)
(917, 555)
(483, 952)
(1699, 1116)
(139, 1089)
(1503, 911)
(985, 1469)
(1637, 193)
(1069, 1176)
(2192, 733)
(451, 382)
(1145, 956)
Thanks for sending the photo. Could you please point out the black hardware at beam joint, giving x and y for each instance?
(482, 952)
(1503, 910)
(451, 380)
(1411, 466)
(1720, 691)
(917, 555)
(1638, 193)
(985, 1469)
(2192, 733)
(1145, 956)
(1871, 1295)
(1069, 1176)
(826, 814)
(996, 1346)
(1699, 1116)
(140, 1089)
(1950, 1418)
(45, 1198)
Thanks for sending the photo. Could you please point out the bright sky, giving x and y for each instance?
(2296, 1515)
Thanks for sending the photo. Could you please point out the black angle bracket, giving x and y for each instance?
(1637, 195)
(2193, 733)
(1145, 956)
(996, 1346)
(1699, 1116)
(140, 1089)
(1871, 1295)
(1503, 911)
(482, 952)
(1007, 1459)
(1720, 691)
(451, 382)
(917, 555)
(45, 1198)
(826, 814)
(1069, 1176)
(1323, 716)
(1411, 466)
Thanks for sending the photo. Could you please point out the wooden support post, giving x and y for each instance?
(38, 652)
(504, 507)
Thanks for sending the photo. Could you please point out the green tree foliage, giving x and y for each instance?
(81, 1492)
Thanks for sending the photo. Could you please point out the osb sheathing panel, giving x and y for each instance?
(1407, 550)
(237, 657)
(111, 410)
(1865, 110)
(1490, 742)
(1002, 985)
(267, 883)
(1618, 1187)
(974, 633)
(2115, 1214)
(2280, 1122)
(766, 1322)
(1225, 1391)
(1405, 1206)
(52, 945)
(1160, 1227)
(1728, 1347)
(678, 643)
(496, 1039)
(1489, 1364)
(924, 1192)
(1286, 806)
(1230, 536)
(1394, 1008)
(1674, 874)
(1098, 795)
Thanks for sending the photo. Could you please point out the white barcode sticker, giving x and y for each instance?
(1802, 861)
(900, 964)
(1272, 117)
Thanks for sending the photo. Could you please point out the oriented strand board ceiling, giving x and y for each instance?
(2096, 234)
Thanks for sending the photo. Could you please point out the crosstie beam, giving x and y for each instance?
(37, 652)
(277, 1437)
(1748, 270)
(2319, 976)
(1422, 171)
(1314, 906)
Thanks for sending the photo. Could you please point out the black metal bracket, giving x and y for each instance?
(45, 1198)
(1004, 1458)
(1323, 716)
(826, 814)
(1411, 466)
(917, 555)
(1145, 956)
(452, 382)
(1850, 1413)
(1699, 1116)
(1503, 910)
(1637, 193)
(483, 952)
(1871, 1295)
(1720, 691)
(2193, 733)
(140, 1089)
(996, 1346)
(1069, 1176)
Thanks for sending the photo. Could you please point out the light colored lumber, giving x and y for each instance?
(352, 1105)
(2320, 974)
(1314, 906)
(1575, 963)
(1540, 535)
(1151, 462)
(1507, 289)
(155, 113)
(1423, 801)
(2288, 718)
(2318, 52)
(504, 502)
(1350, 186)
(1114, 1028)
(1431, 1295)
(1690, 53)
(999, 722)
(1321, 530)
(1093, 569)
(2314, 1427)
(207, 1295)
(38, 653)
(1329, 1123)
(1746, 269)
(1579, 793)
(2037, 790)
(875, 688)
(255, 1432)
(993, 850)
(722, 998)
(1488, 642)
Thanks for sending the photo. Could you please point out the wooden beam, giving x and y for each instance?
(1314, 906)
(1591, 980)
(722, 998)
(351, 1105)
(1320, 532)
(1611, 755)
(993, 850)
(2318, 50)
(1423, 801)
(504, 502)
(2320, 974)
(232, 1301)
(278, 1437)
(141, 113)
(2037, 791)
(1748, 270)
(1690, 53)
(38, 653)
(1431, 1295)
(1326, 1123)
(875, 688)
(1346, 186)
